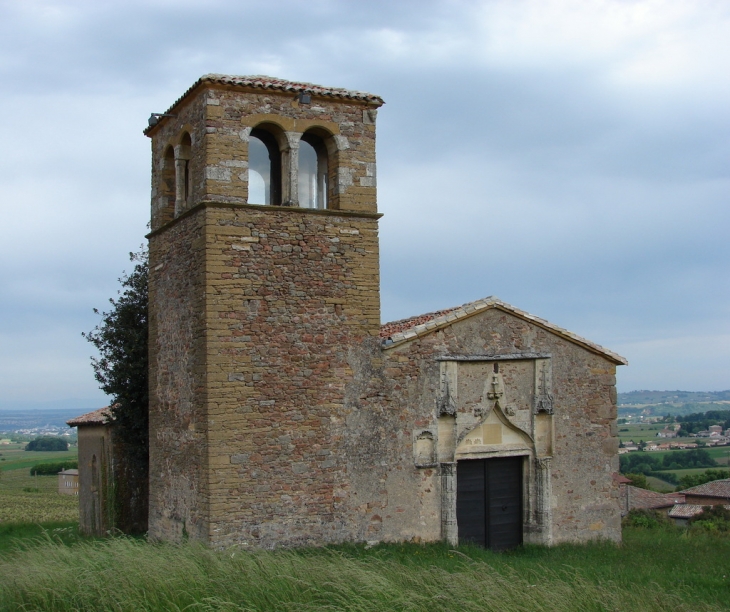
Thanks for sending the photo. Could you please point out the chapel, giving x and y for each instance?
(283, 412)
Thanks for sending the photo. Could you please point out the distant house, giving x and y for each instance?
(709, 494)
(634, 498)
(666, 433)
(68, 482)
(682, 513)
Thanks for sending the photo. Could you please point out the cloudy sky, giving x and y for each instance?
(571, 157)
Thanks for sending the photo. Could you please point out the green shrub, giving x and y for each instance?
(638, 480)
(712, 518)
(648, 519)
(51, 469)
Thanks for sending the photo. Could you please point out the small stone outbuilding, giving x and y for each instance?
(96, 471)
(112, 495)
(282, 412)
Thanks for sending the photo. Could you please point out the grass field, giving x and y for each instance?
(654, 570)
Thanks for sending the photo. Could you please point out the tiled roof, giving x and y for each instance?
(399, 332)
(395, 327)
(259, 81)
(102, 416)
(716, 488)
(647, 500)
(687, 510)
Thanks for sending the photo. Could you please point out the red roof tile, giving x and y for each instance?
(687, 510)
(649, 500)
(398, 332)
(716, 488)
(274, 84)
(394, 327)
(102, 416)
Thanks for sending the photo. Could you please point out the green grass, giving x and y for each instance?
(662, 486)
(654, 570)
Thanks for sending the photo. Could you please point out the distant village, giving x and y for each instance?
(714, 436)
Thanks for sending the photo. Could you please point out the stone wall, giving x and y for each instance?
(96, 478)
(398, 394)
(289, 293)
(178, 396)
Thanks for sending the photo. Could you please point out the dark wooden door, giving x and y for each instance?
(489, 502)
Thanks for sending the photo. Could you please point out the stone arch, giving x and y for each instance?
(494, 435)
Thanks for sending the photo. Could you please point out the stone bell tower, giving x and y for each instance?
(264, 275)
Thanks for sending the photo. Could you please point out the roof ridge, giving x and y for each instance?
(450, 316)
(261, 81)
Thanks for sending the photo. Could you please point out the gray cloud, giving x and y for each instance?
(563, 157)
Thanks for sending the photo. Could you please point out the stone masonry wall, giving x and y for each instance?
(219, 121)
(178, 410)
(289, 292)
(394, 395)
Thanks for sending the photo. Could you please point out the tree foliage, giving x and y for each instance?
(47, 443)
(51, 469)
(694, 480)
(121, 368)
(638, 480)
(712, 518)
(645, 463)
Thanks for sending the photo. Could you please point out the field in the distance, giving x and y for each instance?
(33, 499)
(12, 456)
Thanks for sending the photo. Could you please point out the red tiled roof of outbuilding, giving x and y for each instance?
(716, 488)
(102, 416)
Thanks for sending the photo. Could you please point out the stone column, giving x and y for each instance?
(290, 170)
(543, 505)
(182, 177)
(449, 526)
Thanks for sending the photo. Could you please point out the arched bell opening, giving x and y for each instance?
(264, 168)
(313, 171)
(166, 187)
(183, 175)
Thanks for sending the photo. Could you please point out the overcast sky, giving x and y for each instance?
(569, 157)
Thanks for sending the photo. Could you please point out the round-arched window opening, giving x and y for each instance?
(312, 174)
(264, 169)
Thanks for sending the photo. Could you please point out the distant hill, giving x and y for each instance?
(637, 398)
(673, 403)
(11, 420)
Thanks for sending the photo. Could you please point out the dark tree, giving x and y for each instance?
(121, 370)
(47, 443)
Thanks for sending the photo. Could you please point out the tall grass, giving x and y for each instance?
(124, 574)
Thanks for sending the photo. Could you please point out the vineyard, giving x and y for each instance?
(33, 499)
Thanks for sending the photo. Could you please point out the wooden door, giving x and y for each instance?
(489, 502)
